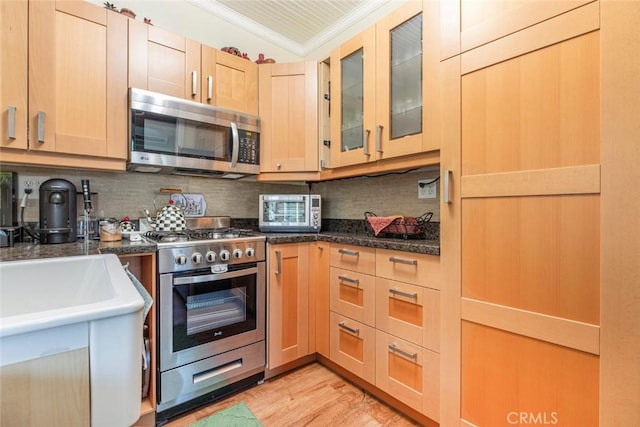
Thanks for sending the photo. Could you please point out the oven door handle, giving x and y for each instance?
(213, 277)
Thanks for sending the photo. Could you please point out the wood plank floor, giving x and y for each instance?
(308, 396)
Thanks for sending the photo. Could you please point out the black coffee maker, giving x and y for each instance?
(58, 211)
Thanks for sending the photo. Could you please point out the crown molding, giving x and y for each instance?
(227, 14)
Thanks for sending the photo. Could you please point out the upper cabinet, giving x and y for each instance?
(77, 80)
(289, 117)
(13, 73)
(167, 63)
(385, 88)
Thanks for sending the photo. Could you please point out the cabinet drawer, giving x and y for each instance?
(408, 372)
(353, 346)
(354, 258)
(408, 311)
(419, 269)
(353, 295)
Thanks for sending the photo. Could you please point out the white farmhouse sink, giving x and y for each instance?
(56, 305)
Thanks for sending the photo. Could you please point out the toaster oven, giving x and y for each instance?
(290, 213)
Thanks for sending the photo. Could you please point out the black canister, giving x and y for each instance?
(57, 212)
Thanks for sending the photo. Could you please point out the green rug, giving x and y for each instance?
(235, 416)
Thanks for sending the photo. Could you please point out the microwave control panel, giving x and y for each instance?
(249, 147)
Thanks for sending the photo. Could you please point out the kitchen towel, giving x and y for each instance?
(238, 415)
(148, 301)
(379, 223)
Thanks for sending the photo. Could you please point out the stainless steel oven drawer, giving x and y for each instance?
(195, 379)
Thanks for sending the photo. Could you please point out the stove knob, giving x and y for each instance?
(224, 255)
(196, 257)
(181, 259)
(237, 253)
(250, 252)
(211, 256)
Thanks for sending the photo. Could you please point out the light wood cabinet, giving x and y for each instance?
(167, 63)
(288, 303)
(77, 77)
(319, 254)
(385, 312)
(408, 311)
(408, 372)
(521, 280)
(289, 117)
(385, 88)
(353, 346)
(353, 295)
(14, 35)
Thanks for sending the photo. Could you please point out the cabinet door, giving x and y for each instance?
(77, 79)
(353, 346)
(408, 311)
(353, 77)
(319, 297)
(234, 81)
(289, 117)
(521, 306)
(408, 372)
(157, 60)
(399, 83)
(288, 314)
(353, 295)
(13, 73)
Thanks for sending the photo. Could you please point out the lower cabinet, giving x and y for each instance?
(385, 322)
(408, 372)
(288, 303)
(352, 346)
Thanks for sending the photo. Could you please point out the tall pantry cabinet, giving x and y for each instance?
(535, 303)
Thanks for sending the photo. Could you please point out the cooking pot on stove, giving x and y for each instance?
(168, 218)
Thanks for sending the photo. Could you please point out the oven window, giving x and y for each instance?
(209, 311)
(157, 133)
(284, 211)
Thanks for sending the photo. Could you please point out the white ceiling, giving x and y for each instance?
(299, 26)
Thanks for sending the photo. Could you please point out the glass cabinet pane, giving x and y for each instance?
(406, 78)
(352, 101)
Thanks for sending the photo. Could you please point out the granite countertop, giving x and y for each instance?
(21, 251)
(429, 247)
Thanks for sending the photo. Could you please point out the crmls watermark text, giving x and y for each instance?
(532, 418)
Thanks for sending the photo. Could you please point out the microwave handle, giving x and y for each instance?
(236, 145)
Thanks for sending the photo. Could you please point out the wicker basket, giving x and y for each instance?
(397, 227)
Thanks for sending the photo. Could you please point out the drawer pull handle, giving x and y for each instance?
(400, 351)
(403, 261)
(403, 293)
(354, 331)
(349, 280)
(348, 252)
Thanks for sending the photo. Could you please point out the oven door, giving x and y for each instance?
(203, 313)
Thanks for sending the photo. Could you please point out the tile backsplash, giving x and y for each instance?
(123, 194)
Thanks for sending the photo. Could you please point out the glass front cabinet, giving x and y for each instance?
(385, 87)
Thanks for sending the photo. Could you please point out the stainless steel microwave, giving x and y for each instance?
(290, 213)
(177, 136)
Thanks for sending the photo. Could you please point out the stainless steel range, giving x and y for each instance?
(211, 317)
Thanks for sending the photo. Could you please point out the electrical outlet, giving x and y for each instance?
(427, 189)
(30, 181)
